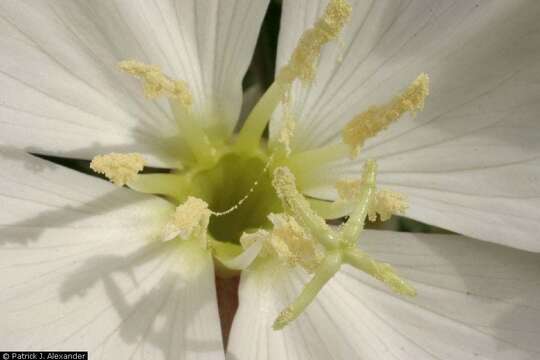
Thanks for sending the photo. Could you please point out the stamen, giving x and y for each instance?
(293, 244)
(284, 183)
(308, 163)
(385, 202)
(357, 131)
(286, 134)
(301, 66)
(288, 126)
(157, 84)
(174, 186)
(377, 118)
(190, 219)
(119, 168)
(304, 57)
(180, 100)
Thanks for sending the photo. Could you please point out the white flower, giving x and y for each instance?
(84, 264)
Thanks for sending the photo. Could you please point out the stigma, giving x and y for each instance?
(339, 245)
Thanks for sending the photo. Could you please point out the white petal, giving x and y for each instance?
(469, 161)
(83, 269)
(475, 301)
(62, 92)
(242, 261)
(263, 293)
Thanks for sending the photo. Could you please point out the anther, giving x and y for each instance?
(288, 125)
(191, 218)
(293, 244)
(377, 118)
(156, 83)
(301, 65)
(119, 168)
(385, 203)
(304, 57)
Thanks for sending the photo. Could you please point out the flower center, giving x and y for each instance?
(242, 199)
(238, 188)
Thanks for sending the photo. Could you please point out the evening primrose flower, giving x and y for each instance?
(427, 109)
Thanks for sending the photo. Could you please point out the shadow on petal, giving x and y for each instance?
(161, 314)
(500, 290)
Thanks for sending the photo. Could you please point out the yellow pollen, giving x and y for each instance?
(348, 189)
(284, 182)
(284, 318)
(304, 57)
(293, 244)
(191, 218)
(119, 168)
(157, 84)
(385, 202)
(286, 134)
(289, 125)
(377, 118)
